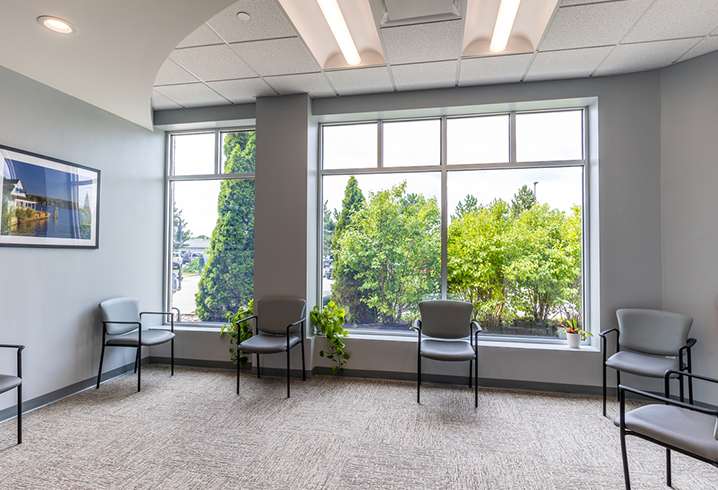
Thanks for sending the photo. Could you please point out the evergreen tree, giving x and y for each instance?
(181, 232)
(352, 202)
(329, 226)
(468, 205)
(523, 200)
(227, 281)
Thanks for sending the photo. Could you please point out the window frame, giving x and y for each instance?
(444, 168)
(169, 179)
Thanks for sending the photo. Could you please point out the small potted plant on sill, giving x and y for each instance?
(329, 323)
(574, 333)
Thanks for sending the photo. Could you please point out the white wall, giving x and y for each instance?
(49, 296)
(689, 193)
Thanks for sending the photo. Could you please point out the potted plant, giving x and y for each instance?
(238, 332)
(574, 333)
(329, 323)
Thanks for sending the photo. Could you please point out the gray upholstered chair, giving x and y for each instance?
(656, 341)
(675, 425)
(448, 324)
(122, 327)
(278, 326)
(9, 382)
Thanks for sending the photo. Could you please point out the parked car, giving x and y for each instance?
(176, 260)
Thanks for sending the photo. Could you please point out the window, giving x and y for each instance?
(448, 208)
(211, 205)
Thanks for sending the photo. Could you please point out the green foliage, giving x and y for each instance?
(572, 326)
(238, 331)
(192, 267)
(329, 323)
(228, 277)
(180, 231)
(523, 200)
(352, 202)
(329, 227)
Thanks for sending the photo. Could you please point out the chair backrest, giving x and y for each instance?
(446, 319)
(275, 313)
(121, 310)
(655, 332)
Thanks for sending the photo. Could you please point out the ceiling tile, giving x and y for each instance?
(277, 56)
(162, 103)
(673, 19)
(706, 46)
(314, 84)
(170, 73)
(242, 91)
(574, 63)
(493, 69)
(202, 36)
(192, 95)
(212, 63)
(643, 56)
(425, 75)
(267, 22)
(361, 80)
(418, 43)
(599, 24)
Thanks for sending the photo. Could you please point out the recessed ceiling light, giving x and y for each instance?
(243, 16)
(337, 24)
(57, 25)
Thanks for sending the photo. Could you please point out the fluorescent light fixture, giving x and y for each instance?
(57, 25)
(504, 24)
(335, 19)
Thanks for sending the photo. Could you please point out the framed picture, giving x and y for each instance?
(47, 202)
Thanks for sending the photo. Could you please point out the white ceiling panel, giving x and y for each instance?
(171, 74)
(418, 43)
(212, 62)
(192, 95)
(314, 84)
(242, 91)
(162, 103)
(202, 36)
(644, 56)
(361, 80)
(574, 63)
(599, 24)
(425, 75)
(277, 56)
(706, 46)
(267, 22)
(673, 19)
(493, 69)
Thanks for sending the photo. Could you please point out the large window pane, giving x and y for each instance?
(514, 247)
(238, 150)
(193, 154)
(349, 146)
(478, 139)
(412, 143)
(382, 246)
(545, 136)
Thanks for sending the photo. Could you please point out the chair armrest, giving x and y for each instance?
(475, 327)
(19, 356)
(605, 332)
(159, 312)
(686, 347)
(417, 325)
(256, 320)
(12, 346)
(671, 372)
(104, 322)
(297, 322)
(668, 401)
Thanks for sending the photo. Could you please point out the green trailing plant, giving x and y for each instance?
(238, 331)
(329, 323)
(571, 326)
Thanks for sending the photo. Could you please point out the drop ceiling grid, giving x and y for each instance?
(286, 56)
(192, 95)
(162, 103)
(493, 69)
(419, 43)
(643, 56)
(202, 36)
(209, 63)
(573, 63)
(267, 22)
(171, 74)
(316, 84)
(242, 91)
(668, 19)
(420, 76)
(360, 80)
(707, 45)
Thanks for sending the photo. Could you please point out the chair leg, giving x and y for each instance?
(99, 372)
(681, 387)
(259, 368)
(418, 380)
(238, 373)
(476, 381)
(19, 414)
(304, 372)
(471, 371)
(625, 460)
(668, 467)
(137, 359)
(618, 382)
(139, 370)
(604, 389)
(172, 357)
(690, 390)
(288, 350)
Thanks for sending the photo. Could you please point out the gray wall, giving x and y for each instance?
(49, 296)
(689, 194)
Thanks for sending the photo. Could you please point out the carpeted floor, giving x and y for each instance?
(192, 431)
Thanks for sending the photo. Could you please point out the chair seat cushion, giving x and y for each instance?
(641, 364)
(679, 427)
(149, 337)
(268, 344)
(9, 382)
(457, 350)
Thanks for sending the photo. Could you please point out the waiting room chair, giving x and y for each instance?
(675, 425)
(8, 382)
(448, 324)
(278, 326)
(650, 337)
(122, 327)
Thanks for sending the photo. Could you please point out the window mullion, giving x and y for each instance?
(444, 212)
(512, 137)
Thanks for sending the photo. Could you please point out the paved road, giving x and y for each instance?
(184, 298)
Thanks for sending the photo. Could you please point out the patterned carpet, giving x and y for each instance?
(192, 431)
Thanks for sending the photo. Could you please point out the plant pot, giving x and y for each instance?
(574, 340)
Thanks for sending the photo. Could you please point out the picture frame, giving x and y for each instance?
(47, 202)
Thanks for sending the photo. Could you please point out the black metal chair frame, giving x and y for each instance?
(684, 350)
(474, 340)
(19, 387)
(301, 342)
(138, 364)
(668, 401)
